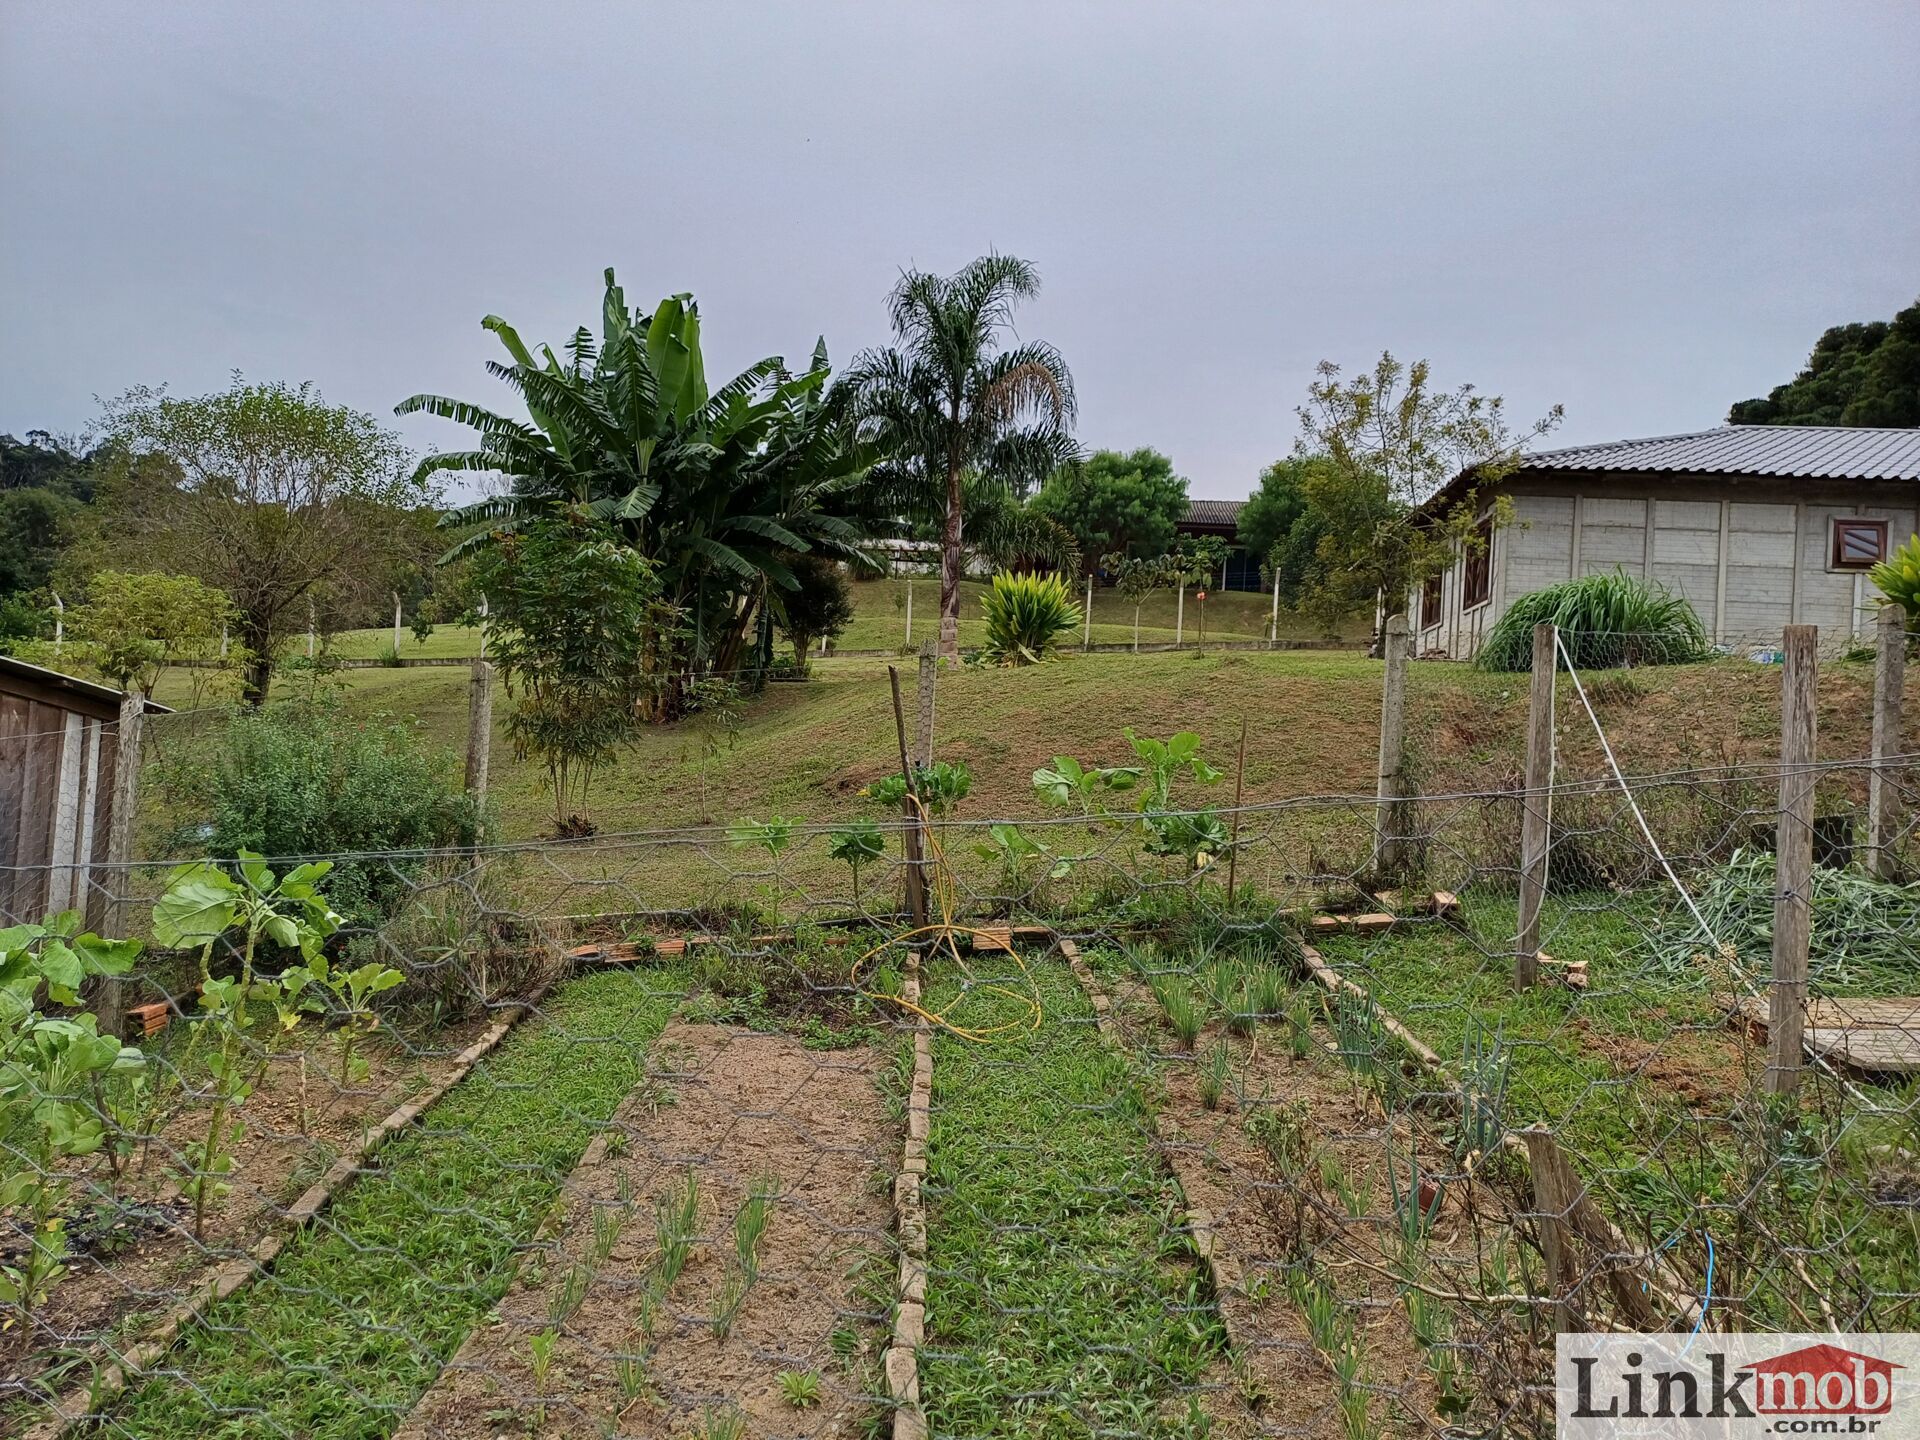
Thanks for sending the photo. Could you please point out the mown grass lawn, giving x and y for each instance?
(360, 1312)
(1063, 1299)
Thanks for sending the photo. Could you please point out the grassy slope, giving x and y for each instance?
(387, 1284)
(803, 750)
(880, 616)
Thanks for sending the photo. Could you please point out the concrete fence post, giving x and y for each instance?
(479, 730)
(1180, 615)
(1885, 810)
(1392, 818)
(1086, 635)
(1536, 808)
(110, 1004)
(1793, 860)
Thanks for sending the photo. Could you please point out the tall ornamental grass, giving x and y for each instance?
(1026, 615)
(1605, 621)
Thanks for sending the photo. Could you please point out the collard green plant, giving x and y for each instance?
(941, 786)
(49, 1067)
(1026, 615)
(1605, 620)
(345, 997)
(202, 903)
(773, 835)
(857, 843)
(1017, 853)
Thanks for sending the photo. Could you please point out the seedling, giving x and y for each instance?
(346, 1004)
(568, 1299)
(542, 1346)
(857, 844)
(728, 1424)
(674, 1221)
(1214, 1075)
(774, 835)
(606, 1234)
(630, 1373)
(1181, 1009)
(751, 1224)
(1266, 992)
(733, 1294)
(1015, 852)
(1300, 1028)
(800, 1388)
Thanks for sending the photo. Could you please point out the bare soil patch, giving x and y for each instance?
(731, 1108)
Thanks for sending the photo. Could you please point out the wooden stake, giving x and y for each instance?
(1391, 818)
(1793, 860)
(911, 834)
(1239, 790)
(1556, 1192)
(1537, 809)
(1884, 807)
(110, 995)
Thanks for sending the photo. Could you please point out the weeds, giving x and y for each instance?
(1214, 1075)
(800, 1388)
(1183, 1012)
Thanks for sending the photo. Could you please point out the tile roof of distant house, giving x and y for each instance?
(1213, 512)
(1812, 452)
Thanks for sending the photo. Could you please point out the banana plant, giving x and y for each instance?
(201, 905)
(46, 1063)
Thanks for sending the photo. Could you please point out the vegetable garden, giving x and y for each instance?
(1141, 1112)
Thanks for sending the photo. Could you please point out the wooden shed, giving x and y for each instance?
(59, 746)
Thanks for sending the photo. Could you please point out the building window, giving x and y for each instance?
(1430, 601)
(1476, 585)
(1857, 544)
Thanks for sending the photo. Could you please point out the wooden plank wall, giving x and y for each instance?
(56, 798)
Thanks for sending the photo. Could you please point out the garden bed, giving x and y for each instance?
(132, 1246)
(605, 1332)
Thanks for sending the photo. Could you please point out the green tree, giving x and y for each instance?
(714, 490)
(286, 504)
(1391, 440)
(946, 399)
(1011, 534)
(1275, 506)
(132, 626)
(36, 524)
(1136, 577)
(819, 607)
(570, 610)
(1117, 503)
(1860, 374)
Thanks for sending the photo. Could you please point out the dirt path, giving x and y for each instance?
(733, 1109)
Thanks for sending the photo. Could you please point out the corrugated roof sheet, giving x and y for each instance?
(1825, 452)
(1213, 512)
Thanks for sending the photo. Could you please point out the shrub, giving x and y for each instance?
(1026, 614)
(1605, 620)
(820, 606)
(302, 778)
(1898, 578)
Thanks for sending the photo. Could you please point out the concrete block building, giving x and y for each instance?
(1758, 526)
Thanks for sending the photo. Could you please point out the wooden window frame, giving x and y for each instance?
(1840, 525)
(1432, 593)
(1476, 570)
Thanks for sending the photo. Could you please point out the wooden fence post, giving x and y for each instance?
(1884, 808)
(110, 1004)
(479, 730)
(1536, 808)
(1793, 860)
(1391, 816)
(1556, 1190)
(923, 727)
(911, 832)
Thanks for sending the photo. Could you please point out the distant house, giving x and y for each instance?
(1758, 526)
(1222, 518)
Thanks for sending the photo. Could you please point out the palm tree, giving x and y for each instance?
(946, 399)
(713, 488)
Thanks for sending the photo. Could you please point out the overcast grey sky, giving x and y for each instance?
(1643, 211)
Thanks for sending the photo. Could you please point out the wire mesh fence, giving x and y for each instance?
(1135, 1115)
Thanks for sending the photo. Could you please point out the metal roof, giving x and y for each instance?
(1213, 512)
(56, 680)
(1823, 452)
